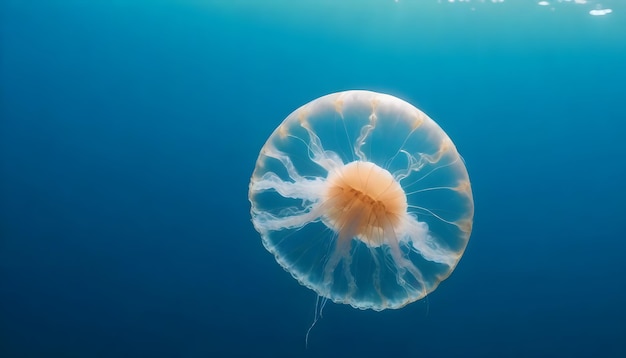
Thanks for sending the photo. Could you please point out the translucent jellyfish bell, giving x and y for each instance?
(364, 199)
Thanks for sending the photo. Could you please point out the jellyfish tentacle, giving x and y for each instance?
(328, 160)
(420, 240)
(431, 189)
(366, 131)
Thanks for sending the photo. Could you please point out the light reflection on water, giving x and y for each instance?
(594, 7)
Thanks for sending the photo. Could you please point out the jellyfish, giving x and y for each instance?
(362, 198)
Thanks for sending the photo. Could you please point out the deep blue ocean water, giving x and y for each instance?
(129, 130)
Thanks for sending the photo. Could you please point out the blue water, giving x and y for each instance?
(129, 130)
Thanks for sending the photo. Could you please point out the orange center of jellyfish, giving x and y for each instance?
(363, 200)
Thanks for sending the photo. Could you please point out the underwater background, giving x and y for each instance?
(129, 130)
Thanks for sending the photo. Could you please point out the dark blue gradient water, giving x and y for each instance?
(129, 130)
